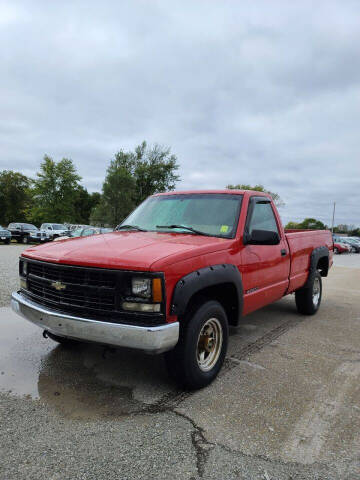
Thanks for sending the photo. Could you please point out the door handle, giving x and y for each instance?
(283, 252)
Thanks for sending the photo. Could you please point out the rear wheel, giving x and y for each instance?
(7, 242)
(308, 299)
(200, 352)
(336, 250)
(25, 239)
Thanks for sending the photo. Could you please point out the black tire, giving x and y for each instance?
(183, 363)
(65, 342)
(336, 250)
(7, 242)
(308, 299)
(25, 240)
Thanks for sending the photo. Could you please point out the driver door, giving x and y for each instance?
(265, 268)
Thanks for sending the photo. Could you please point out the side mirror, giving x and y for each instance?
(262, 237)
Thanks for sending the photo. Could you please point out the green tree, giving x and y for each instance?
(15, 197)
(313, 224)
(55, 191)
(258, 188)
(117, 198)
(154, 170)
(131, 177)
(307, 223)
(350, 230)
(355, 232)
(292, 225)
(85, 203)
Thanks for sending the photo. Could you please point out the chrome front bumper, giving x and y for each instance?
(149, 339)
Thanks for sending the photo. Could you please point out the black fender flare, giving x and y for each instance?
(316, 255)
(198, 280)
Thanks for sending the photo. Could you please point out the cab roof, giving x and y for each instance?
(223, 191)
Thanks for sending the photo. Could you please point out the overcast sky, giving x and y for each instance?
(242, 91)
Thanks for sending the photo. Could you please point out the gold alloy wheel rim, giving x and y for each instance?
(209, 344)
(316, 292)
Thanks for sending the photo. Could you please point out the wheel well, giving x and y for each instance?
(225, 294)
(323, 266)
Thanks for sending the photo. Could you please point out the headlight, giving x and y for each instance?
(141, 287)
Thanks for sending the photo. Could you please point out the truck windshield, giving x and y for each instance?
(211, 214)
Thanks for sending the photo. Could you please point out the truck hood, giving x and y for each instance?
(127, 250)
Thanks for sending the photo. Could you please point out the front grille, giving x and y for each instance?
(82, 276)
(74, 295)
(84, 291)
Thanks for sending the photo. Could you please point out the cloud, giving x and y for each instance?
(243, 92)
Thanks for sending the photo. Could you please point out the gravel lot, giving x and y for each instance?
(286, 405)
(9, 280)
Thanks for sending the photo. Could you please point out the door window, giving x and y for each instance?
(263, 218)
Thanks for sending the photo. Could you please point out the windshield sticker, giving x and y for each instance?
(224, 228)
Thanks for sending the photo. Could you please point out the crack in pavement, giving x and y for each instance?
(201, 445)
(170, 401)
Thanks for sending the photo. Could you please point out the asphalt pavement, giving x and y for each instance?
(285, 406)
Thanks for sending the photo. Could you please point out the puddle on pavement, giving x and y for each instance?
(83, 382)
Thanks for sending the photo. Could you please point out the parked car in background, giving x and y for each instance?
(85, 232)
(76, 227)
(5, 235)
(54, 230)
(354, 244)
(340, 247)
(26, 233)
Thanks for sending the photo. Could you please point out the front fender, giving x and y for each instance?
(203, 278)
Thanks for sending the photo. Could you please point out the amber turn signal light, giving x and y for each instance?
(156, 290)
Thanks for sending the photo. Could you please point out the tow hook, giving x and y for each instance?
(45, 334)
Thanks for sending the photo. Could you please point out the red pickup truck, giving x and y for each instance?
(176, 273)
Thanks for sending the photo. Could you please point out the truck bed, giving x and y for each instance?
(301, 243)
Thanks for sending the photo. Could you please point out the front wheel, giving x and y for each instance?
(308, 299)
(25, 240)
(198, 357)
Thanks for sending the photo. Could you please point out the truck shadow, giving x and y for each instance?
(89, 381)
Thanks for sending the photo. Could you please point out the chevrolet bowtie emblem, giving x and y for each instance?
(58, 286)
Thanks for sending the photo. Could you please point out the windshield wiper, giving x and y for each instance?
(134, 227)
(185, 228)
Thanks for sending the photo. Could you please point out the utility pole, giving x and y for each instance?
(333, 217)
